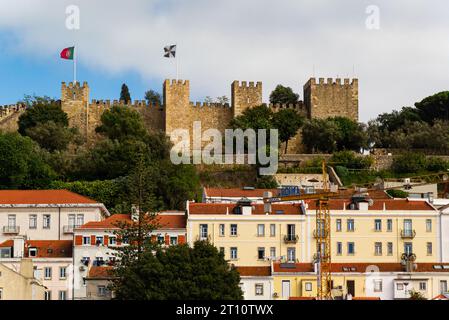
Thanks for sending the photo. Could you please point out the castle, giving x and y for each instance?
(322, 99)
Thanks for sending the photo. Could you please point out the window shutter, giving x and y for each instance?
(181, 239)
(78, 240)
(167, 239)
(93, 240)
(106, 240)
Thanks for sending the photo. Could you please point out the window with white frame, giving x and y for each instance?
(291, 254)
(72, 219)
(79, 220)
(47, 221)
(338, 225)
(259, 289)
(260, 230)
(429, 248)
(233, 253)
(308, 286)
(377, 225)
(62, 272)
(112, 240)
(101, 291)
(32, 252)
(33, 221)
(47, 295)
(47, 272)
(203, 231)
(86, 240)
(339, 248)
(351, 248)
(399, 286)
(99, 240)
(272, 230)
(378, 286)
(390, 248)
(221, 230)
(233, 230)
(389, 225)
(173, 241)
(273, 252)
(62, 295)
(428, 225)
(423, 286)
(378, 248)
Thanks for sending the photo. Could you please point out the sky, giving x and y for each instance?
(399, 50)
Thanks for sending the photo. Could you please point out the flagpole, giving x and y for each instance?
(74, 64)
(176, 58)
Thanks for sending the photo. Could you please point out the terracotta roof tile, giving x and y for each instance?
(222, 208)
(104, 272)
(42, 197)
(7, 244)
(237, 192)
(172, 221)
(50, 248)
(254, 271)
(390, 204)
(108, 223)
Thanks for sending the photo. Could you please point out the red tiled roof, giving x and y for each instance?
(172, 221)
(237, 192)
(50, 248)
(222, 208)
(302, 298)
(365, 298)
(104, 272)
(358, 267)
(7, 244)
(108, 223)
(42, 197)
(390, 204)
(254, 271)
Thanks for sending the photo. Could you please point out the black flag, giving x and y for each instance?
(170, 51)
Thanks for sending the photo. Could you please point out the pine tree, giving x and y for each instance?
(124, 94)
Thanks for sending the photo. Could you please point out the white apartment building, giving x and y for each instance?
(45, 214)
(256, 283)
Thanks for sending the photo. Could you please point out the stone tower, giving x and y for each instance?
(332, 98)
(75, 102)
(176, 102)
(245, 96)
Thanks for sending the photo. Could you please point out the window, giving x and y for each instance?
(203, 231)
(350, 225)
(233, 230)
(338, 226)
(260, 230)
(429, 248)
(173, 241)
(443, 286)
(291, 254)
(62, 272)
(63, 295)
(221, 230)
(101, 291)
(12, 221)
(47, 295)
(423, 286)
(408, 247)
(428, 225)
(272, 230)
(259, 289)
(378, 248)
(47, 221)
(47, 272)
(408, 227)
(86, 240)
(377, 285)
(399, 286)
(79, 220)
(33, 221)
(378, 225)
(72, 218)
(390, 248)
(339, 248)
(99, 240)
(112, 241)
(273, 252)
(32, 252)
(389, 225)
(260, 253)
(308, 286)
(291, 232)
(160, 239)
(351, 248)
(233, 253)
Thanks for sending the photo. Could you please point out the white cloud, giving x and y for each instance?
(254, 40)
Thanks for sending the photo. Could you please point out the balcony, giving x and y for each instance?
(319, 234)
(11, 229)
(408, 234)
(291, 238)
(69, 229)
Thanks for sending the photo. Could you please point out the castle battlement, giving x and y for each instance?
(177, 83)
(111, 103)
(295, 106)
(332, 81)
(245, 84)
(76, 85)
(208, 105)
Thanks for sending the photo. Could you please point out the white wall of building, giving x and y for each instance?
(248, 286)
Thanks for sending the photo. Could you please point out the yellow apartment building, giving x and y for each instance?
(247, 234)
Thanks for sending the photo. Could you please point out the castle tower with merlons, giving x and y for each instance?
(321, 100)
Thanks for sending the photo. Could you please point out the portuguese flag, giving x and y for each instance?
(68, 53)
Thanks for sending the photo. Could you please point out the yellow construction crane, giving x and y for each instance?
(323, 220)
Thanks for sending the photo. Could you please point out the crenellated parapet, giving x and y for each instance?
(332, 81)
(132, 104)
(209, 105)
(7, 110)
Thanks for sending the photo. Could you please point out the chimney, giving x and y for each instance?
(26, 268)
(267, 205)
(19, 244)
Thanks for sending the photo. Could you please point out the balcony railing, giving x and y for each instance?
(291, 238)
(70, 228)
(319, 234)
(11, 229)
(408, 234)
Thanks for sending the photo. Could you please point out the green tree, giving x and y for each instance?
(352, 134)
(254, 118)
(435, 107)
(153, 97)
(52, 136)
(124, 94)
(416, 295)
(180, 273)
(288, 122)
(409, 163)
(283, 95)
(41, 113)
(320, 135)
(22, 164)
(122, 123)
(397, 193)
(351, 160)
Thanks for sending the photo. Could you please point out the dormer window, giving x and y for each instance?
(32, 252)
